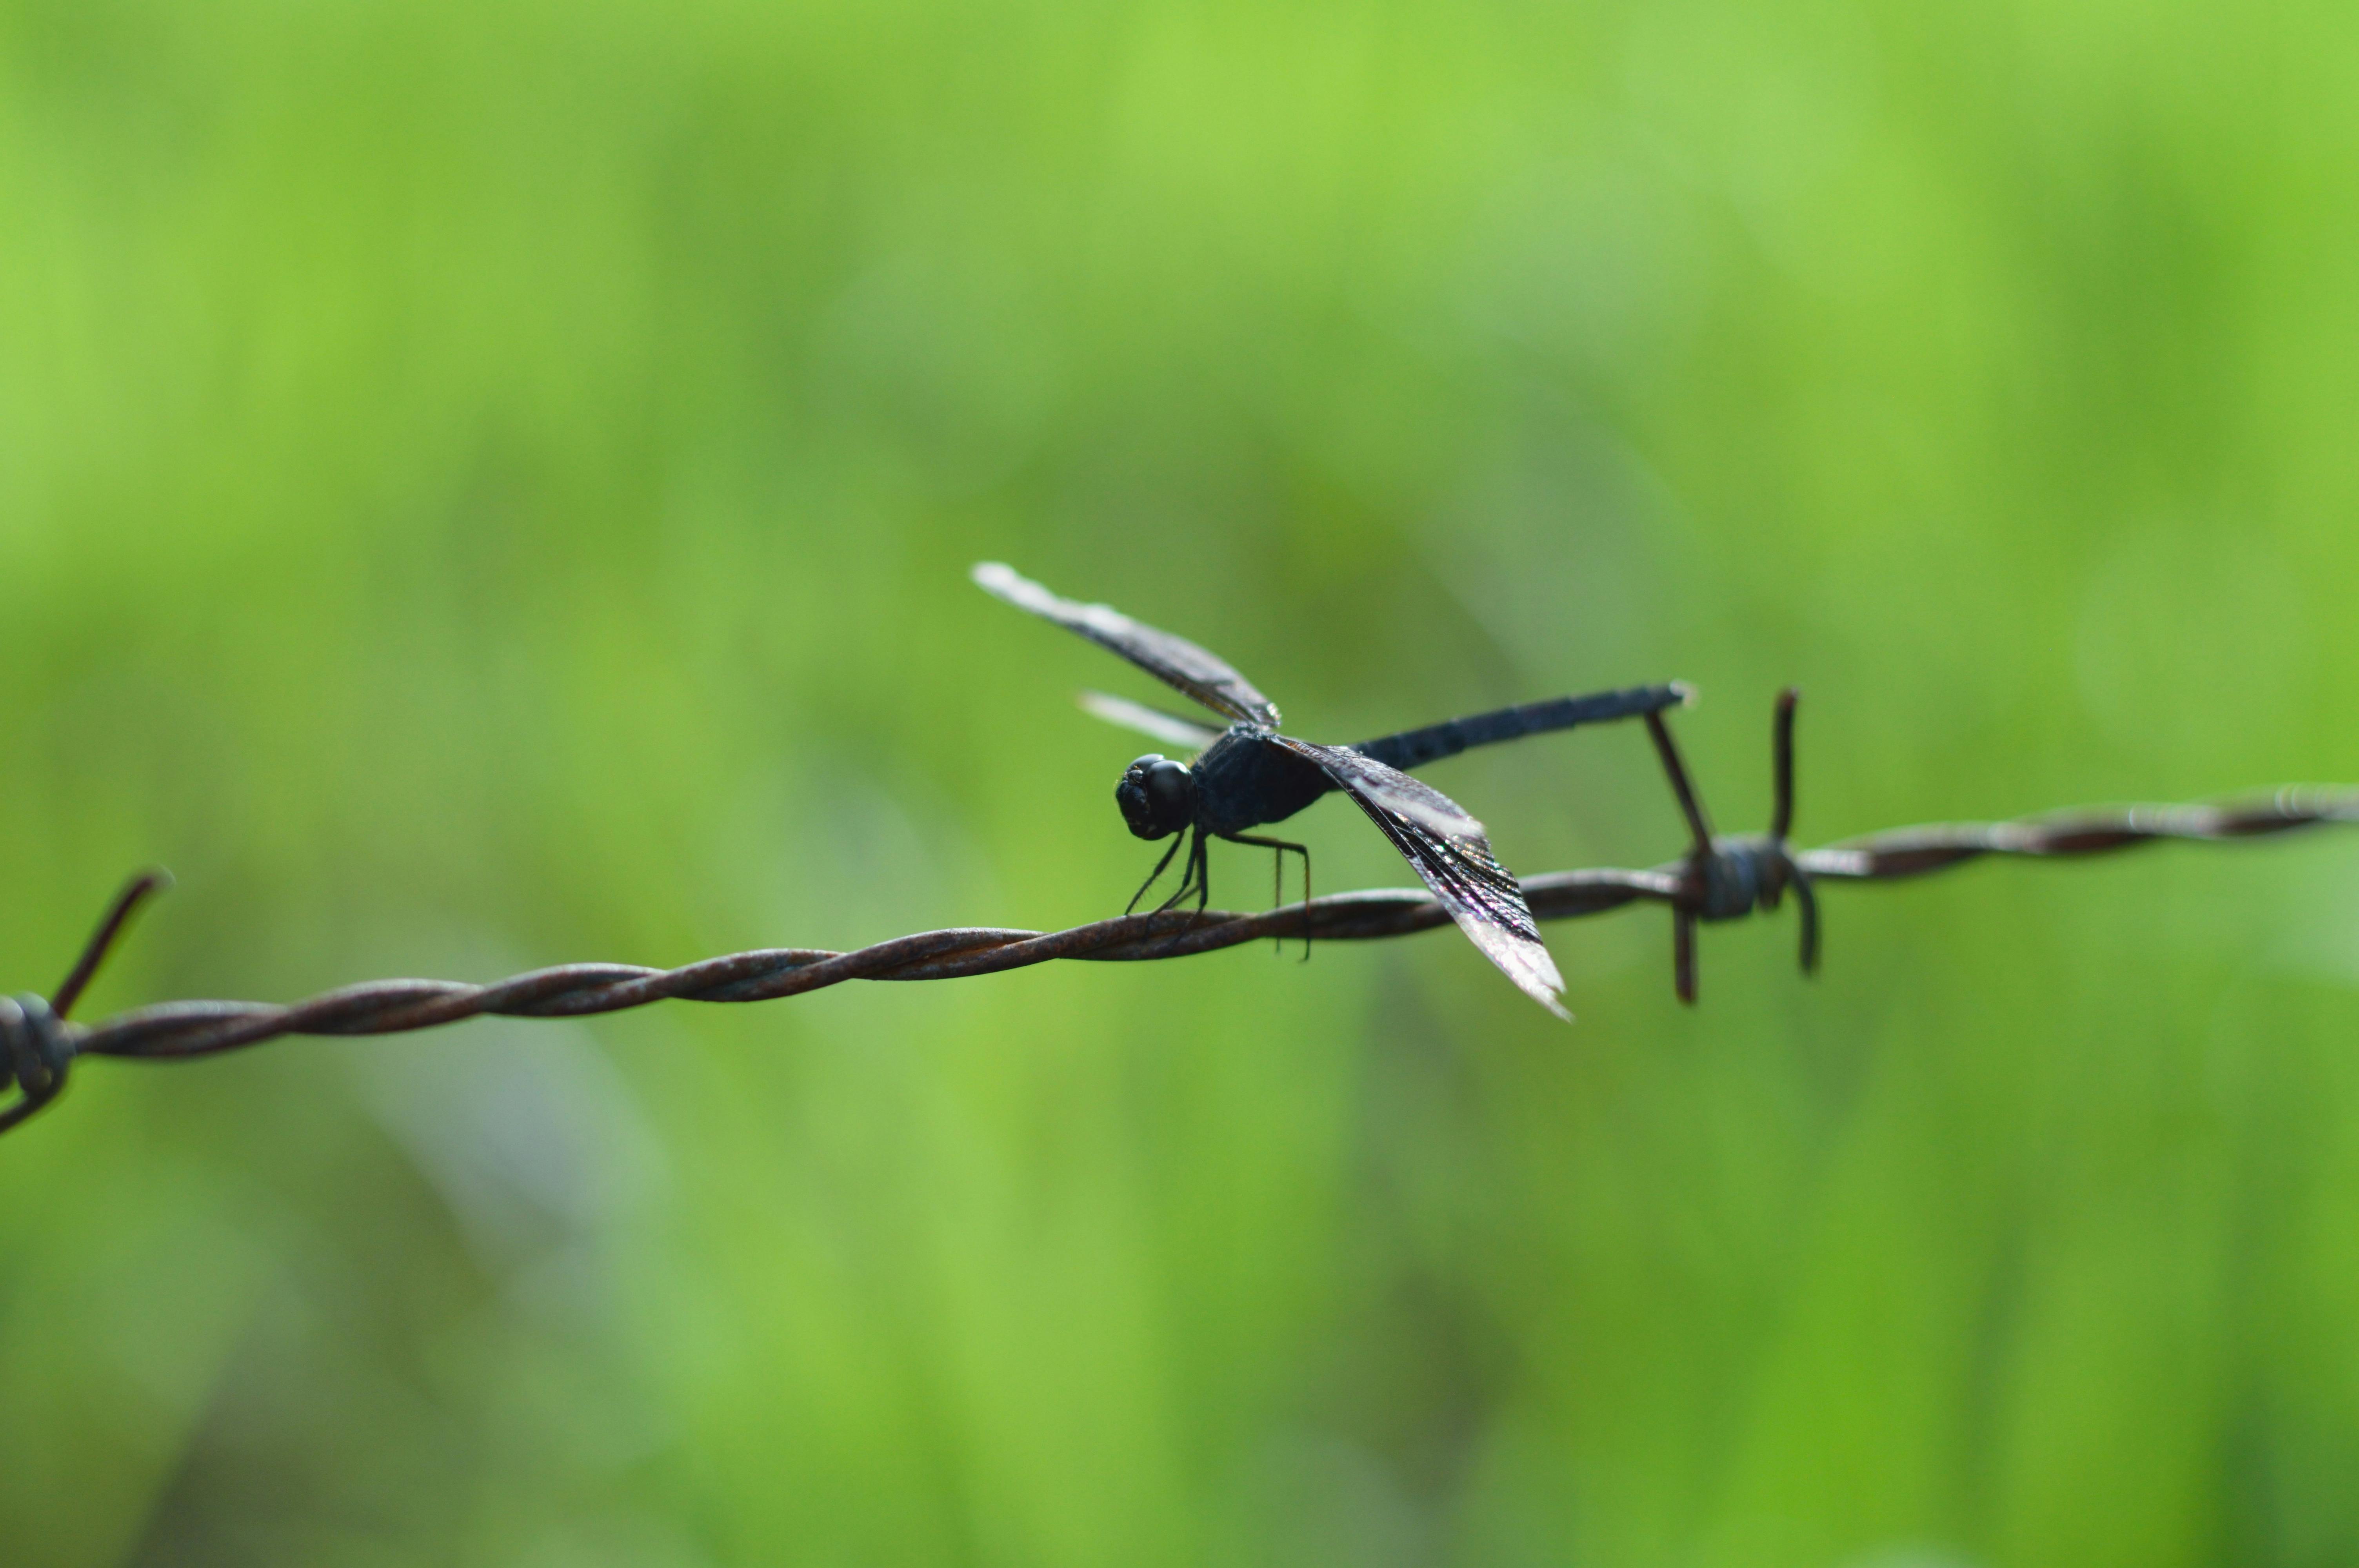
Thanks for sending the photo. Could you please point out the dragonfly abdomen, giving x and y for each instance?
(1411, 747)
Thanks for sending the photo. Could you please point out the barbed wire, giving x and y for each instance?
(38, 1044)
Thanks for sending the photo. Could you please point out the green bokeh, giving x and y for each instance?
(490, 485)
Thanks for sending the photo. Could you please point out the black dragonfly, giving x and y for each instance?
(1248, 776)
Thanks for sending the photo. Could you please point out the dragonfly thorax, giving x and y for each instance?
(1156, 796)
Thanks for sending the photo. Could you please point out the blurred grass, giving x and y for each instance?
(491, 485)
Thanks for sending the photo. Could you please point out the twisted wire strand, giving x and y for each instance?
(184, 1029)
(38, 1044)
(1913, 851)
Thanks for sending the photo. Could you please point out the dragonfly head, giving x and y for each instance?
(1156, 796)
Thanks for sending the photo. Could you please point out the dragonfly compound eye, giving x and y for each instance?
(1156, 796)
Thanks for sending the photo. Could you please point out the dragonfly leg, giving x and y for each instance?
(1152, 876)
(1193, 878)
(1277, 875)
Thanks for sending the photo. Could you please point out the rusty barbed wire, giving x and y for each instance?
(39, 1045)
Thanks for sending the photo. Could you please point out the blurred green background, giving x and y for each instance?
(491, 485)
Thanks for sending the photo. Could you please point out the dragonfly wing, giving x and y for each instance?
(1168, 728)
(1448, 849)
(1173, 660)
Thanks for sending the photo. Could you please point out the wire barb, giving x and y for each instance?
(38, 1043)
(35, 1052)
(36, 1047)
(136, 891)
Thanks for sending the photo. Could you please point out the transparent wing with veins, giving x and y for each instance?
(1447, 847)
(1173, 660)
(1168, 728)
